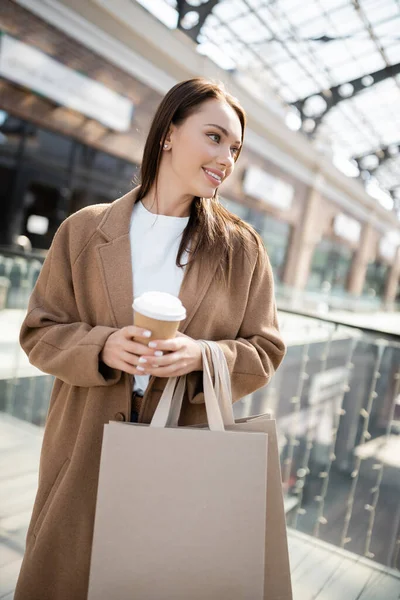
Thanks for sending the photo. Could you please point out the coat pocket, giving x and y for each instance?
(50, 497)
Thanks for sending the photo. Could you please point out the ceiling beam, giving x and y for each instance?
(383, 154)
(203, 11)
(338, 93)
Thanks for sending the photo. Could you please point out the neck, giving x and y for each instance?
(167, 199)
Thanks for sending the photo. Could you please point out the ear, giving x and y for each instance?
(170, 135)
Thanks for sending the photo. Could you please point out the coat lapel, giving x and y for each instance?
(116, 264)
(115, 259)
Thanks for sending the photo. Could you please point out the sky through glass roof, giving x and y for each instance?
(302, 49)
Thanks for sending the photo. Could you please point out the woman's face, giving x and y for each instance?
(202, 150)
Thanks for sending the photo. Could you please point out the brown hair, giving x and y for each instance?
(216, 228)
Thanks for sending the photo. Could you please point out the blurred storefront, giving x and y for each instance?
(70, 131)
(275, 233)
(330, 266)
(75, 108)
(276, 195)
(271, 201)
(378, 275)
(334, 254)
(47, 176)
(375, 278)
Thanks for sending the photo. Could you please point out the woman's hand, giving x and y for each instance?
(183, 356)
(121, 352)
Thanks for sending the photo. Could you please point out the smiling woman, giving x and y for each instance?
(192, 147)
(170, 234)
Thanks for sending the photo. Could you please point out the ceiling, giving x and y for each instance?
(334, 64)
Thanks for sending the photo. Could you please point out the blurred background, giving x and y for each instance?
(319, 178)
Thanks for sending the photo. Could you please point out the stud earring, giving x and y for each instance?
(165, 146)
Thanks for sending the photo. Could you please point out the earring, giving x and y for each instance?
(165, 146)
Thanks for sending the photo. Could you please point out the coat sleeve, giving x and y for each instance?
(52, 334)
(258, 350)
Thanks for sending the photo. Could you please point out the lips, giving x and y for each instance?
(214, 175)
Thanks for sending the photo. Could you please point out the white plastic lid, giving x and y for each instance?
(160, 305)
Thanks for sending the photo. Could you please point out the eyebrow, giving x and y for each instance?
(224, 131)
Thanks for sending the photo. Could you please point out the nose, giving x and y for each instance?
(225, 158)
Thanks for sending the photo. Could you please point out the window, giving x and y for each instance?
(375, 279)
(275, 234)
(330, 267)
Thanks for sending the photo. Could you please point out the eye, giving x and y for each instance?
(214, 135)
(235, 151)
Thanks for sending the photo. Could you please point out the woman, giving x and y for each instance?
(169, 234)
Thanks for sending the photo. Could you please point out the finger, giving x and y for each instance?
(131, 369)
(131, 359)
(168, 345)
(127, 368)
(121, 365)
(170, 371)
(139, 349)
(163, 361)
(139, 363)
(132, 331)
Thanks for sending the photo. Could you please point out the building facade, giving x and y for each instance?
(78, 90)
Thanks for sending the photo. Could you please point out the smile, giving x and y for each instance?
(216, 178)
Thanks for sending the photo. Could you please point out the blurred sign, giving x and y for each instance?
(267, 188)
(347, 228)
(33, 69)
(37, 224)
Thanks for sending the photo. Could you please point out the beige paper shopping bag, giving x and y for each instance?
(180, 511)
(277, 568)
(192, 516)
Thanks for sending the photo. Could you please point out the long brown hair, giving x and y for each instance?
(210, 223)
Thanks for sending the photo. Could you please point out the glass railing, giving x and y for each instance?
(325, 299)
(18, 274)
(24, 391)
(336, 399)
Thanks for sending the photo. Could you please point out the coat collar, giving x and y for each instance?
(117, 219)
(115, 259)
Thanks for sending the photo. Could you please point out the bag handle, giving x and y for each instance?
(218, 399)
(223, 389)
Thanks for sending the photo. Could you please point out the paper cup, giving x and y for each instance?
(160, 313)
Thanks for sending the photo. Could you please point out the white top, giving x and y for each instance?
(155, 241)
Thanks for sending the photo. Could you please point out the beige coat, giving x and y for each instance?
(83, 294)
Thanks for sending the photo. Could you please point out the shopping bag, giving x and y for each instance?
(182, 512)
(277, 567)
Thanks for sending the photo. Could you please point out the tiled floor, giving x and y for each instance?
(320, 571)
